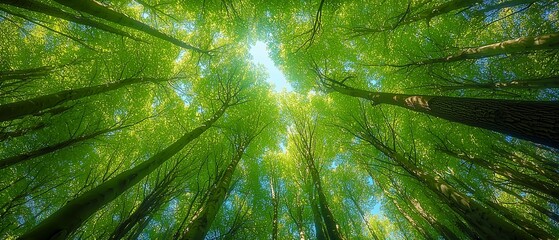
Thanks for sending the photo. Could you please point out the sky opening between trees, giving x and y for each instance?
(309, 119)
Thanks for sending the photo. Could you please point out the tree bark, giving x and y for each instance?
(535, 121)
(518, 45)
(100, 11)
(71, 216)
(39, 7)
(19, 109)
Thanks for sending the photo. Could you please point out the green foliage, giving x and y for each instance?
(369, 194)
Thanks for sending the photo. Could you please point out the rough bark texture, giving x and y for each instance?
(100, 11)
(19, 109)
(535, 121)
(39, 7)
(71, 216)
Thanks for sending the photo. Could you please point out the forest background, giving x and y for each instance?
(417, 119)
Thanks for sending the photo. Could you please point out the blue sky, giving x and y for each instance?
(260, 56)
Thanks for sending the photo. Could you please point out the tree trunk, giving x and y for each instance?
(488, 224)
(275, 206)
(100, 11)
(518, 45)
(203, 219)
(71, 216)
(425, 15)
(39, 7)
(151, 203)
(508, 4)
(19, 109)
(535, 121)
(513, 175)
(10, 161)
(331, 227)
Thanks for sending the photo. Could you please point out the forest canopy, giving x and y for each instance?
(150, 119)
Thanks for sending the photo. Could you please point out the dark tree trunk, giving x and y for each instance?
(39, 7)
(97, 10)
(535, 121)
(11, 111)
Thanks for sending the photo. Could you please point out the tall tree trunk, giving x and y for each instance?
(11, 111)
(10, 161)
(487, 223)
(515, 218)
(425, 15)
(151, 203)
(39, 7)
(535, 121)
(100, 11)
(513, 175)
(512, 3)
(71, 216)
(332, 228)
(319, 227)
(362, 214)
(21, 132)
(518, 45)
(203, 219)
(275, 205)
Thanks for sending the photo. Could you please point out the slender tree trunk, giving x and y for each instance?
(203, 219)
(362, 214)
(518, 45)
(318, 222)
(543, 210)
(512, 3)
(513, 175)
(275, 206)
(332, 228)
(39, 7)
(100, 11)
(151, 203)
(521, 222)
(19, 109)
(25, 73)
(535, 121)
(71, 216)
(441, 228)
(20, 132)
(425, 15)
(10, 161)
(487, 223)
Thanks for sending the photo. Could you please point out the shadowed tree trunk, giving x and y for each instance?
(536, 121)
(39, 7)
(11, 111)
(100, 11)
(71, 216)
(306, 144)
(275, 205)
(204, 217)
